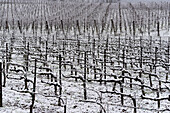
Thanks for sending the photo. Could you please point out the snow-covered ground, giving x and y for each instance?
(104, 53)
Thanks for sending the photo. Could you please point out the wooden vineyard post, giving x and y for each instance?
(53, 41)
(65, 109)
(27, 62)
(150, 80)
(60, 61)
(150, 50)
(40, 47)
(41, 27)
(131, 64)
(94, 58)
(12, 41)
(40, 42)
(7, 57)
(134, 31)
(121, 83)
(76, 75)
(121, 90)
(47, 27)
(134, 103)
(95, 24)
(120, 17)
(156, 50)
(159, 104)
(4, 73)
(141, 55)
(34, 87)
(168, 58)
(62, 26)
(55, 87)
(160, 42)
(124, 64)
(71, 69)
(158, 28)
(142, 88)
(105, 65)
(119, 50)
(84, 30)
(27, 65)
(84, 82)
(25, 40)
(112, 26)
(78, 27)
(46, 51)
(19, 26)
(149, 22)
(7, 27)
(0, 84)
(107, 42)
(78, 50)
(33, 27)
(63, 50)
(89, 38)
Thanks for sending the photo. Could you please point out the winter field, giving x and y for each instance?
(80, 57)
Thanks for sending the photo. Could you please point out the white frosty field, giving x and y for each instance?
(67, 57)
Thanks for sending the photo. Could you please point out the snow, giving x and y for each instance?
(72, 91)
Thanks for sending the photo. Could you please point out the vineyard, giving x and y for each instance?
(82, 57)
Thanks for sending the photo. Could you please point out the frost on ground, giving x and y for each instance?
(101, 58)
